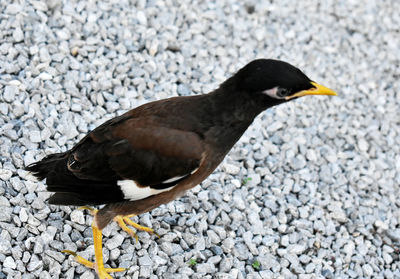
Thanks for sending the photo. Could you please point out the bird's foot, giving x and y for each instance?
(124, 221)
(92, 210)
(101, 271)
(98, 265)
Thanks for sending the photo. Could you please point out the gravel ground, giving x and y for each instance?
(310, 191)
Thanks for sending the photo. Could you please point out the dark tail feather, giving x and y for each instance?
(61, 198)
(42, 168)
(79, 199)
(71, 190)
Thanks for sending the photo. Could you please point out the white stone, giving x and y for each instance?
(4, 201)
(77, 217)
(363, 145)
(141, 17)
(367, 269)
(145, 261)
(10, 92)
(230, 169)
(9, 263)
(18, 35)
(45, 76)
(5, 174)
(13, 8)
(34, 136)
(23, 215)
(114, 242)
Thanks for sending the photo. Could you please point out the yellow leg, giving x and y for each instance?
(98, 253)
(98, 265)
(124, 220)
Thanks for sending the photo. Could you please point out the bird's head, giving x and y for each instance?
(276, 81)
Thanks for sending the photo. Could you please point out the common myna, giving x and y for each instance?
(154, 153)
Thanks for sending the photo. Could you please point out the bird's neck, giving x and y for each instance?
(232, 114)
(236, 107)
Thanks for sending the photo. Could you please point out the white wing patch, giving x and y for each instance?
(176, 178)
(133, 192)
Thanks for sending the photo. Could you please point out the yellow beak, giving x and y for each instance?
(318, 90)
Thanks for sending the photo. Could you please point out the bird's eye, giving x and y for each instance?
(282, 92)
(277, 92)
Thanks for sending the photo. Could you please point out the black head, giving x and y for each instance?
(276, 80)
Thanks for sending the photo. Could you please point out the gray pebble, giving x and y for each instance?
(34, 136)
(34, 264)
(268, 261)
(367, 269)
(226, 264)
(394, 234)
(18, 35)
(3, 108)
(5, 174)
(145, 261)
(10, 92)
(5, 213)
(9, 263)
(5, 246)
(205, 268)
(77, 217)
(227, 245)
(13, 8)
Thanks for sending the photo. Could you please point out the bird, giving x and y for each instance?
(156, 152)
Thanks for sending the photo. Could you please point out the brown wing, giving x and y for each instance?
(140, 149)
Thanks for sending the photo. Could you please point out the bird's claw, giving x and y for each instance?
(69, 252)
(102, 272)
(123, 221)
(92, 210)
